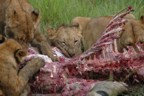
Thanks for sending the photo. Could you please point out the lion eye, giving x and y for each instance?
(63, 43)
(2, 39)
(76, 41)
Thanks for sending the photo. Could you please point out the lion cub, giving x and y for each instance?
(13, 81)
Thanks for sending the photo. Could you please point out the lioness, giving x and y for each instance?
(13, 82)
(20, 21)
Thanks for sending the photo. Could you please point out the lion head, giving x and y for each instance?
(138, 29)
(133, 33)
(67, 39)
(20, 20)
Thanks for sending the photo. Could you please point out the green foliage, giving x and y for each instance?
(57, 12)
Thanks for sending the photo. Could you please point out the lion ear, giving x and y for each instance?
(142, 19)
(36, 18)
(51, 32)
(2, 39)
(76, 25)
(19, 54)
(78, 28)
(35, 15)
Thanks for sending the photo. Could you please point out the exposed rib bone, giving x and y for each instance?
(109, 35)
(115, 46)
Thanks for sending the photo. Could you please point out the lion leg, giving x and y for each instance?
(40, 42)
(31, 68)
(14, 84)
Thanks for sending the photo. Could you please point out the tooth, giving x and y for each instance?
(139, 48)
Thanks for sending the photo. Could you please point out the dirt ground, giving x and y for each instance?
(137, 90)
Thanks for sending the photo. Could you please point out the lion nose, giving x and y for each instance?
(129, 42)
(140, 39)
(72, 54)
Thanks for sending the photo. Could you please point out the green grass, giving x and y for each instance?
(57, 12)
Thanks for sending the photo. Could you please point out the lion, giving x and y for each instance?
(94, 27)
(67, 38)
(82, 21)
(132, 33)
(17, 20)
(20, 21)
(13, 81)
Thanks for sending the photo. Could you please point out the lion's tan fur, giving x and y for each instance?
(91, 29)
(13, 81)
(20, 21)
(133, 32)
(67, 38)
(81, 21)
